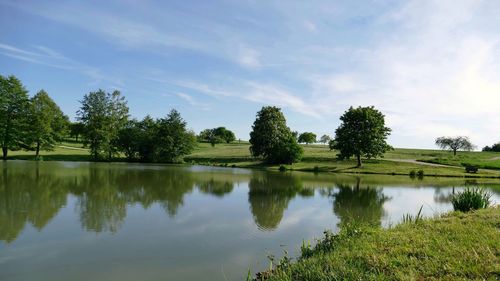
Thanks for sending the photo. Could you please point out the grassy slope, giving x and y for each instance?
(457, 246)
(320, 156)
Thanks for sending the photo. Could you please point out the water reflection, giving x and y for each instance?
(361, 204)
(33, 193)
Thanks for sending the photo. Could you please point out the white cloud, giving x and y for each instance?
(192, 101)
(310, 26)
(248, 57)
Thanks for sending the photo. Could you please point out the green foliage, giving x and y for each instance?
(47, 123)
(471, 199)
(161, 140)
(362, 133)
(331, 144)
(455, 143)
(14, 112)
(103, 115)
(216, 135)
(272, 139)
(76, 129)
(307, 138)
(493, 148)
(420, 173)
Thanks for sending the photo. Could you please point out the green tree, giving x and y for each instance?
(455, 143)
(47, 122)
(362, 133)
(325, 139)
(216, 135)
(494, 148)
(272, 139)
(173, 139)
(331, 144)
(307, 138)
(14, 107)
(76, 129)
(103, 115)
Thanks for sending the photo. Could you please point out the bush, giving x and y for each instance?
(471, 169)
(420, 174)
(471, 199)
(282, 168)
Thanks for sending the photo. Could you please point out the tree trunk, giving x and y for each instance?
(454, 152)
(4, 151)
(37, 149)
(359, 160)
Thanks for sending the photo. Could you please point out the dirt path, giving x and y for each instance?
(414, 161)
(70, 147)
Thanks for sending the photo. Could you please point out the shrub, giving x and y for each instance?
(413, 174)
(471, 199)
(420, 174)
(282, 168)
(471, 169)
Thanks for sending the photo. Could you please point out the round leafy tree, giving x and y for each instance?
(362, 133)
(307, 138)
(272, 139)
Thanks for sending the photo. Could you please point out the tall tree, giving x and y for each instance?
(216, 135)
(362, 133)
(103, 115)
(173, 138)
(307, 138)
(272, 139)
(455, 143)
(14, 107)
(47, 122)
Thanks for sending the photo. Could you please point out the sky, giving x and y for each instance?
(432, 67)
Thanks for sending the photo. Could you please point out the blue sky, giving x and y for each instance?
(432, 67)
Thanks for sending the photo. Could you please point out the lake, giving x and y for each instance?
(112, 221)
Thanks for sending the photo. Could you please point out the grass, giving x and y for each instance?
(456, 246)
(317, 158)
(471, 199)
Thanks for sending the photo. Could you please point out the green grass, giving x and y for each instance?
(317, 158)
(456, 246)
(320, 158)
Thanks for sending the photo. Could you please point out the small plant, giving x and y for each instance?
(413, 174)
(408, 218)
(420, 174)
(316, 169)
(471, 199)
(282, 168)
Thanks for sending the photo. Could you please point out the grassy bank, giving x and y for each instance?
(456, 246)
(316, 158)
(320, 158)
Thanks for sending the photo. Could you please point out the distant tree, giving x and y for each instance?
(14, 107)
(331, 145)
(295, 135)
(325, 139)
(173, 139)
(272, 139)
(216, 135)
(46, 121)
(103, 115)
(455, 143)
(307, 138)
(494, 148)
(129, 138)
(76, 129)
(362, 133)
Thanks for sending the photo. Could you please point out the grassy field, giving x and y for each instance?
(316, 158)
(456, 246)
(320, 158)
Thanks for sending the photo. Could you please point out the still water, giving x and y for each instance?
(94, 221)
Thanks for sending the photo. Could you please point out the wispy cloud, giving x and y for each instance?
(192, 101)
